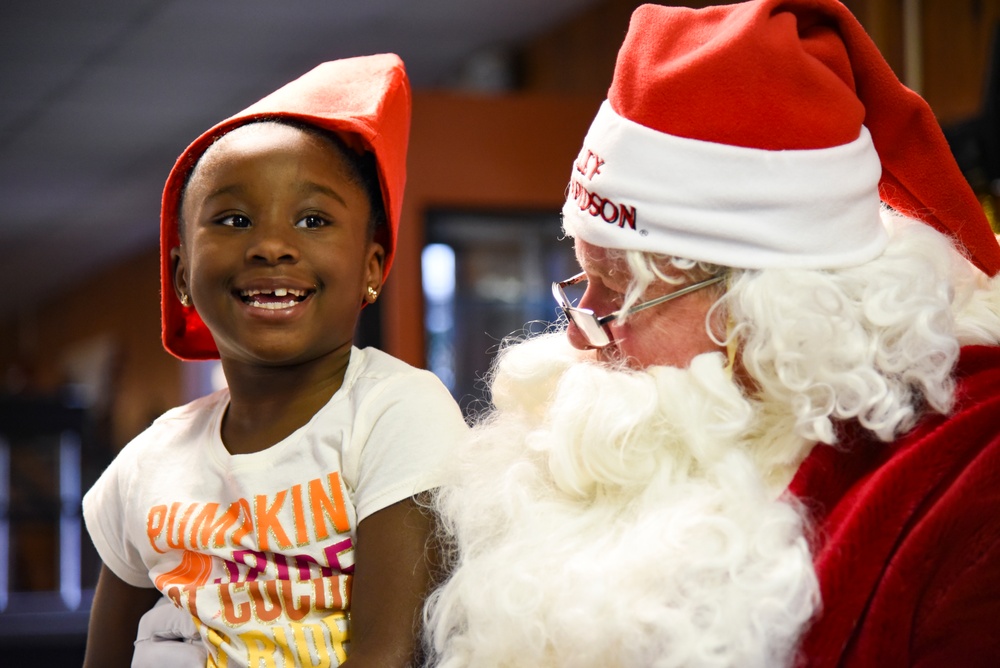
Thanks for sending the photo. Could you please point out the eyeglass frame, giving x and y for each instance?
(590, 318)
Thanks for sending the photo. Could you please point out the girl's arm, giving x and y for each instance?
(114, 619)
(395, 560)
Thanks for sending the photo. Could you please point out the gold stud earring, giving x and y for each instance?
(372, 293)
(185, 300)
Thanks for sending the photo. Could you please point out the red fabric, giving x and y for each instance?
(908, 537)
(366, 100)
(795, 74)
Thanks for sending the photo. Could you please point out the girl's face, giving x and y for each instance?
(670, 334)
(276, 256)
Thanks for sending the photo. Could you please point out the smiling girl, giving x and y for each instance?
(281, 513)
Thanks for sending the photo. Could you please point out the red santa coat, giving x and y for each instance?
(907, 538)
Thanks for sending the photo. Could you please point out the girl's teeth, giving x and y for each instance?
(273, 306)
(277, 292)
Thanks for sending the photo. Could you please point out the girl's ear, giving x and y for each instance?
(373, 271)
(181, 288)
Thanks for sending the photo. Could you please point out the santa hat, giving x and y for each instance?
(365, 100)
(760, 135)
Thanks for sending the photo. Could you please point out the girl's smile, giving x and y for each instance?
(274, 299)
(271, 295)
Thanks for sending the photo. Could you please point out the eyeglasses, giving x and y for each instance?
(593, 327)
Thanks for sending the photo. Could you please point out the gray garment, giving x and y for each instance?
(168, 638)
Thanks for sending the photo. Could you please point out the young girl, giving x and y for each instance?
(281, 512)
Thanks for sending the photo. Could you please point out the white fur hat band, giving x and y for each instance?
(639, 189)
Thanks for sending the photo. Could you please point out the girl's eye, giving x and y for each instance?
(312, 222)
(235, 220)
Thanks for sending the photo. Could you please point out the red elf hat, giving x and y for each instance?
(764, 134)
(365, 100)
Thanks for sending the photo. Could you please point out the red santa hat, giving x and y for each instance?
(764, 134)
(365, 100)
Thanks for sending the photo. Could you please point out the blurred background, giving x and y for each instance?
(98, 99)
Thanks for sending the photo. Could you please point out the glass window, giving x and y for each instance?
(487, 276)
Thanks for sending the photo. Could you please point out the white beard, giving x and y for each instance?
(618, 518)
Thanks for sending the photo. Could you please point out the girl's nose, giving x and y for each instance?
(273, 244)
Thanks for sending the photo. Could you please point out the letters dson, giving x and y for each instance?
(588, 165)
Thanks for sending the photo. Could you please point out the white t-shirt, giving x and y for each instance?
(260, 547)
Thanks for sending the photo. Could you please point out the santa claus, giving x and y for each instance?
(769, 432)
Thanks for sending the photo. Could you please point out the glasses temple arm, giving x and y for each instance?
(659, 300)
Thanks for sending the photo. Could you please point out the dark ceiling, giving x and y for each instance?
(100, 96)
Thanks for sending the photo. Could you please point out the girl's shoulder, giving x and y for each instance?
(372, 361)
(181, 422)
(194, 410)
(375, 377)
(373, 364)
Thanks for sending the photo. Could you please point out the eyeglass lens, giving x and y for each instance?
(587, 323)
(584, 320)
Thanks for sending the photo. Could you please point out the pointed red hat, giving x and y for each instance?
(764, 134)
(366, 100)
